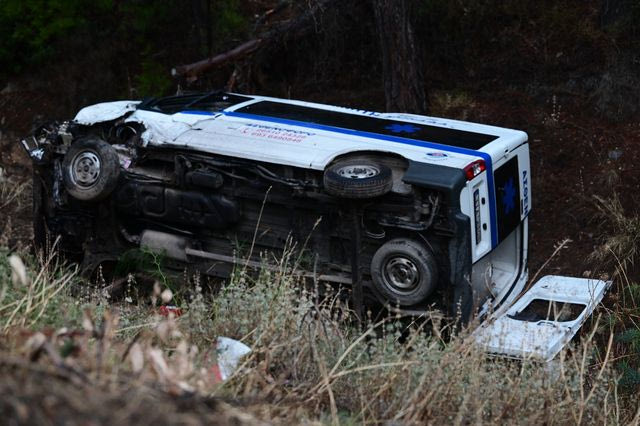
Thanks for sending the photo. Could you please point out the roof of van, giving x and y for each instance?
(301, 133)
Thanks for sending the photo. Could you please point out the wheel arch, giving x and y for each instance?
(381, 155)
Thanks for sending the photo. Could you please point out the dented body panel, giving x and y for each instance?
(103, 112)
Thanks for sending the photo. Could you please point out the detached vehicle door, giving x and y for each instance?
(543, 320)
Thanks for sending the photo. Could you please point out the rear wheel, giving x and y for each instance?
(357, 178)
(404, 271)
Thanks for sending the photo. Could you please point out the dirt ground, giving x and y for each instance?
(575, 156)
(62, 401)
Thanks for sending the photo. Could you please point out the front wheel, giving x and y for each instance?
(90, 169)
(404, 271)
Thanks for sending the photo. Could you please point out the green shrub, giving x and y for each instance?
(31, 31)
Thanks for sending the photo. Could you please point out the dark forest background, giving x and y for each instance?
(83, 51)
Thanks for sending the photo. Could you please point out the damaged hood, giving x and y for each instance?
(105, 111)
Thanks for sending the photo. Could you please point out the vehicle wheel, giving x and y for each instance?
(90, 169)
(357, 178)
(404, 271)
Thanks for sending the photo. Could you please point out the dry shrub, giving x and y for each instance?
(621, 235)
(29, 297)
(310, 360)
(15, 203)
(620, 238)
(311, 356)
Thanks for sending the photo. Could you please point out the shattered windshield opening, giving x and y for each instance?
(549, 310)
(207, 102)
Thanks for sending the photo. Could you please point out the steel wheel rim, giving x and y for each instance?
(85, 169)
(401, 274)
(358, 171)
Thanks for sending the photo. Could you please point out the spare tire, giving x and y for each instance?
(357, 178)
(90, 169)
(404, 271)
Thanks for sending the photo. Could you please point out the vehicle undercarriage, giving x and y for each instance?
(104, 193)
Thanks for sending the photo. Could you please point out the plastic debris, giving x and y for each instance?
(229, 352)
(166, 310)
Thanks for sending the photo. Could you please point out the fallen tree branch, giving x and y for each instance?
(191, 71)
(292, 28)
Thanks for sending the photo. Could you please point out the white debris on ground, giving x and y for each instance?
(229, 353)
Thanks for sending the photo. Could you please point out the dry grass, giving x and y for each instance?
(71, 358)
(15, 206)
(395, 372)
(32, 296)
(619, 249)
(621, 240)
(309, 362)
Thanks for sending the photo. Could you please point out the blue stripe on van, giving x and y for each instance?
(195, 112)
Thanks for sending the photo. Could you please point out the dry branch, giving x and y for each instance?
(192, 71)
(294, 27)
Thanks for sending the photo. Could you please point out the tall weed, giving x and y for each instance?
(619, 248)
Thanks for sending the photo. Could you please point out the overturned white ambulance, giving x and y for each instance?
(420, 211)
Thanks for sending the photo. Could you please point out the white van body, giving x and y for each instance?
(460, 192)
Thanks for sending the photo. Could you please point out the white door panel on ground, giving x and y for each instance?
(543, 320)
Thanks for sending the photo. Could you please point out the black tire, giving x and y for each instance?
(357, 178)
(404, 272)
(90, 169)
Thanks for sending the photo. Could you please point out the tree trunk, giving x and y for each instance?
(401, 65)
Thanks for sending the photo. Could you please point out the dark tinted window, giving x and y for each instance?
(421, 132)
(207, 102)
(507, 183)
